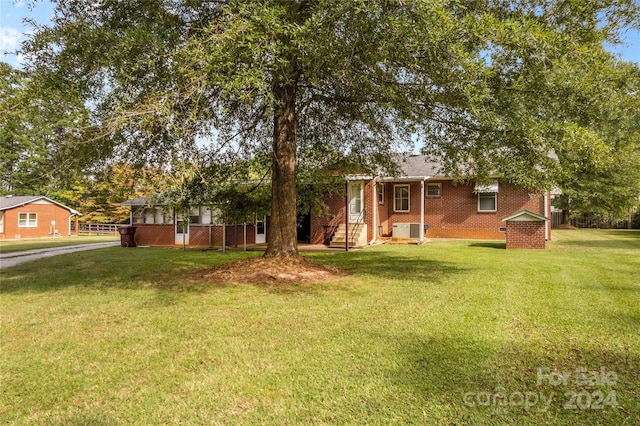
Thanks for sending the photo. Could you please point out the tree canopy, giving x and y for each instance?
(488, 86)
(40, 132)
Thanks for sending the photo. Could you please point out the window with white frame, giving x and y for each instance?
(27, 220)
(487, 201)
(380, 190)
(434, 190)
(401, 198)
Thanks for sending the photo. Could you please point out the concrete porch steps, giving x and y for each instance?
(357, 235)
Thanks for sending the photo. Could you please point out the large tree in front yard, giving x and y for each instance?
(479, 83)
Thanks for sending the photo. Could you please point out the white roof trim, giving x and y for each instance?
(525, 216)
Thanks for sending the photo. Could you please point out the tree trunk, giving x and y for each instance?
(282, 230)
(566, 217)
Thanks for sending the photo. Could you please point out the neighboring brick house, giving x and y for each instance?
(34, 217)
(421, 202)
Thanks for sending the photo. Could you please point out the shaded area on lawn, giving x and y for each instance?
(490, 244)
(600, 239)
(395, 264)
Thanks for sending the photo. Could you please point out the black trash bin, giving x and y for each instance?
(126, 236)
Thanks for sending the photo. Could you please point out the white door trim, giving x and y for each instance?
(356, 200)
(261, 230)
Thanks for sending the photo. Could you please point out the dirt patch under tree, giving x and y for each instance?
(274, 270)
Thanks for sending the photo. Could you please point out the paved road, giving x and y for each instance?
(11, 259)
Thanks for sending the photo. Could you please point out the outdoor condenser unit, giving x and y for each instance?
(406, 230)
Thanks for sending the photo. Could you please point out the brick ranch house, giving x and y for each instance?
(421, 202)
(35, 217)
(416, 204)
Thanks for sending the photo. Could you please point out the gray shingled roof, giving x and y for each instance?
(140, 201)
(151, 200)
(418, 166)
(12, 201)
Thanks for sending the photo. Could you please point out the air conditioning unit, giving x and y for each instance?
(406, 230)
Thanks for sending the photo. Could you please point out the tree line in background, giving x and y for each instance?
(47, 149)
(122, 98)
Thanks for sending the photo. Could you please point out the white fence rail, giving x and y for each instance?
(99, 228)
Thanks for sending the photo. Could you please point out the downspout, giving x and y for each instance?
(422, 211)
(374, 208)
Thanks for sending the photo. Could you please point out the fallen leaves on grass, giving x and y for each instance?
(274, 270)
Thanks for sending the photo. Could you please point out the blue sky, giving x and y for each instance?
(12, 29)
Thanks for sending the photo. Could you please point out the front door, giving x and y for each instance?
(355, 201)
(261, 229)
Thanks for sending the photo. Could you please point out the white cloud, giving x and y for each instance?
(9, 39)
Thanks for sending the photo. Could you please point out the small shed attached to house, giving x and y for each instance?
(526, 229)
(35, 216)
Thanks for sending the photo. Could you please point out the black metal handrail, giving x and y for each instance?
(358, 221)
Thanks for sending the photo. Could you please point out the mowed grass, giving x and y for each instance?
(13, 246)
(451, 332)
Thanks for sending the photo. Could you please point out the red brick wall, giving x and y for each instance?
(235, 235)
(527, 235)
(47, 213)
(321, 225)
(387, 216)
(154, 235)
(164, 235)
(455, 213)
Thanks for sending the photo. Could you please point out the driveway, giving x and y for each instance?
(11, 259)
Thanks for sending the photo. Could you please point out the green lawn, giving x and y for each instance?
(451, 332)
(42, 243)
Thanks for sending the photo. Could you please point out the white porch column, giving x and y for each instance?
(422, 198)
